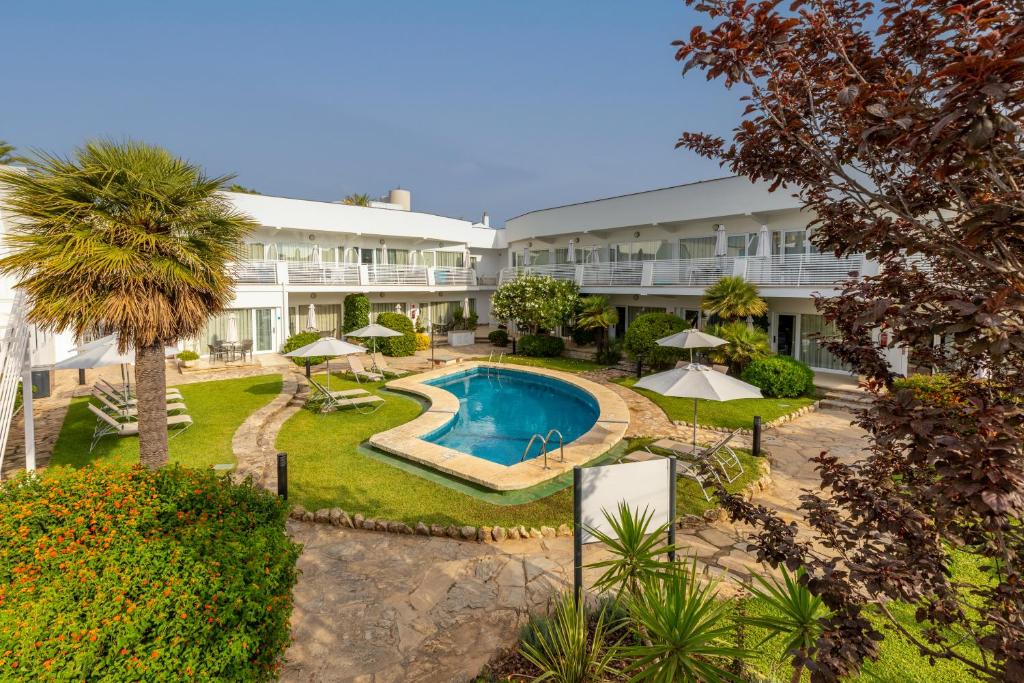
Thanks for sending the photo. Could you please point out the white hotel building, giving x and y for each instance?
(655, 250)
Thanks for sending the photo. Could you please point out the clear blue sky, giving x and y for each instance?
(503, 106)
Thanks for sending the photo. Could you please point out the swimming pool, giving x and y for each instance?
(501, 409)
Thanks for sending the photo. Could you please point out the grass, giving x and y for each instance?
(559, 363)
(217, 408)
(327, 469)
(726, 414)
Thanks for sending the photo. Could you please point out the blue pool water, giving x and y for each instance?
(500, 409)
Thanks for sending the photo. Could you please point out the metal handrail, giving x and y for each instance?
(544, 446)
(561, 442)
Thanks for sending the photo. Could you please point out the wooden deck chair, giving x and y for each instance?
(105, 425)
(130, 412)
(358, 370)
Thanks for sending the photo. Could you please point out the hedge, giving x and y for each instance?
(780, 377)
(169, 575)
(397, 346)
(540, 345)
(300, 339)
(498, 338)
(583, 336)
(357, 312)
(422, 341)
(644, 332)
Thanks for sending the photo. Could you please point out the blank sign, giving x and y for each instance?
(641, 485)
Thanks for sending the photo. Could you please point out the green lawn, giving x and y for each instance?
(217, 408)
(559, 363)
(726, 414)
(326, 469)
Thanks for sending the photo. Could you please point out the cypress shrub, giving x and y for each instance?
(357, 312)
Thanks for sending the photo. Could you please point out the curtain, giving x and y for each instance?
(448, 259)
(697, 247)
(328, 318)
(377, 309)
(217, 328)
(255, 251)
(811, 351)
(441, 312)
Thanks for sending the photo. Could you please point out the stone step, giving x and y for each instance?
(837, 404)
(848, 395)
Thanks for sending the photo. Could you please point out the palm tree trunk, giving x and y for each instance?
(151, 385)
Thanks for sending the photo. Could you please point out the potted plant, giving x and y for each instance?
(186, 358)
(463, 329)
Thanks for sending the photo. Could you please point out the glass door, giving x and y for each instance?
(263, 339)
(784, 334)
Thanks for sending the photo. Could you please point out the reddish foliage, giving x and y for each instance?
(900, 127)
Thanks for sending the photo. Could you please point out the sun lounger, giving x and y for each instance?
(130, 412)
(684, 468)
(105, 425)
(358, 370)
(381, 364)
(115, 393)
(363, 401)
(343, 393)
(719, 454)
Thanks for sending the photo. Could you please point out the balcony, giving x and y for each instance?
(352, 274)
(788, 270)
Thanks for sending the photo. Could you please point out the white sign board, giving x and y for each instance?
(641, 485)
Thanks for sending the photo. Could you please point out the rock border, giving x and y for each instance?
(765, 425)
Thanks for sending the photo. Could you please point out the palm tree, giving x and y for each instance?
(235, 187)
(746, 344)
(357, 200)
(732, 298)
(597, 314)
(7, 155)
(128, 238)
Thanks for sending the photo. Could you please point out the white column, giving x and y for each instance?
(26, 407)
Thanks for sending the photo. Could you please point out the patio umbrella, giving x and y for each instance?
(697, 382)
(721, 244)
(311, 317)
(526, 257)
(317, 256)
(99, 354)
(232, 336)
(325, 346)
(271, 254)
(570, 255)
(691, 339)
(762, 241)
(383, 255)
(373, 331)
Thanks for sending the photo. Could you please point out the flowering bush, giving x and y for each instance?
(167, 575)
(535, 301)
(422, 341)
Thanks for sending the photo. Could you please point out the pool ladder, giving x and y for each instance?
(490, 359)
(544, 441)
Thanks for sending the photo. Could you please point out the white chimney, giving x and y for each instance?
(486, 220)
(402, 198)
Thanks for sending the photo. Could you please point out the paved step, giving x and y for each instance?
(839, 404)
(853, 396)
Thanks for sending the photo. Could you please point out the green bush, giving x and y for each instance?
(170, 575)
(498, 338)
(611, 354)
(397, 346)
(644, 332)
(188, 355)
(300, 339)
(938, 389)
(541, 345)
(780, 377)
(422, 341)
(583, 336)
(357, 312)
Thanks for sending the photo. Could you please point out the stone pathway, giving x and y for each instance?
(253, 442)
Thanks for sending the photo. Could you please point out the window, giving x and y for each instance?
(641, 251)
(297, 252)
(328, 318)
(255, 251)
(697, 247)
(449, 259)
(742, 245)
(377, 309)
(395, 257)
(539, 257)
(788, 242)
(350, 255)
(812, 328)
(562, 255)
(440, 312)
(255, 324)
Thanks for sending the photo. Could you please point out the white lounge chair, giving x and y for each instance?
(362, 401)
(718, 454)
(114, 393)
(131, 412)
(358, 370)
(684, 468)
(321, 390)
(105, 425)
(381, 364)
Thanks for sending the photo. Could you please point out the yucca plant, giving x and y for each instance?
(563, 648)
(794, 614)
(746, 344)
(683, 630)
(597, 314)
(637, 551)
(124, 237)
(732, 298)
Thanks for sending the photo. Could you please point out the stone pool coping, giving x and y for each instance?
(405, 440)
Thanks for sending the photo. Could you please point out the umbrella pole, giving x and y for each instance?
(695, 426)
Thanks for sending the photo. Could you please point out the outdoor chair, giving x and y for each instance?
(105, 425)
(684, 468)
(216, 351)
(117, 396)
(358, 370)
(381, 364)
(320, 389)
(362, 401)
(124, 412)
(719, 454)
(245, 348)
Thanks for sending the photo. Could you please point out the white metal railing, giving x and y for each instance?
(255, 272)
(13, 346)
(559, 271)
(302, 273)
(452, 275)
(799, 270)
(613, 274)
(691, 272)
(393, 274)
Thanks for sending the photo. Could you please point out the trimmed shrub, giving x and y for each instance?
(397, 346)
(498, 338)
(644, 332)
(357, 312)
(422, 341)
(300, 339)
(583, 337)
(541, 346)
(937, 389)
(172, 574)
(187, 356)
(780, 377)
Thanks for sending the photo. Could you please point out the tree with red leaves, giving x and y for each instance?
(899, 125)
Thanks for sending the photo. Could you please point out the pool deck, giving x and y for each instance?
(405, 440)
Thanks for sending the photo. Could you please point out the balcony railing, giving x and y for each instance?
(352, 274)
(255, 272)
(788, 270)
(388, 274)
(300, 273)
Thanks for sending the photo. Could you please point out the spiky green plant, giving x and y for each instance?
(357, 199)
(562, 648)
(682, 630)
(7, 155)
(732, 298)
(597, 314)
(637, 552)
(746, 344)
(794, 613)
(124, 237)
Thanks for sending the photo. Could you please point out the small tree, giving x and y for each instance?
(597, 315)
(397, 346)
(733, 298)
(535, 301)
(357, 312)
